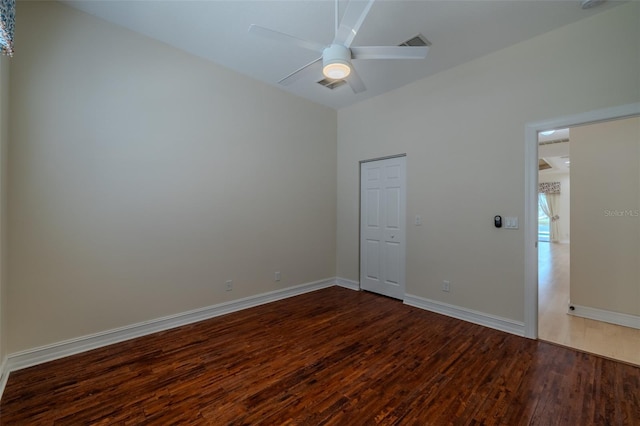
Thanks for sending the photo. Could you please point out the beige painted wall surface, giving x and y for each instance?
(142, 178)
(564, 203)
(4, 143)
(605, 251)
(463, 132)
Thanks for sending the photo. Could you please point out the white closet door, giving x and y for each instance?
(383, 226)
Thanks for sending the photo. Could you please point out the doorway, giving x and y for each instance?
(554, 218)
(531, 198)
(383, 226)
(532, 236)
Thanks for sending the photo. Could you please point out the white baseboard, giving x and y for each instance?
(31, 357)
(35, 356)
(476, 317)
(4, 375)
(611, 317)
(346, 283)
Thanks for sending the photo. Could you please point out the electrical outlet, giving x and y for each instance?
(446, 286)
(277, 276)
(228, 285)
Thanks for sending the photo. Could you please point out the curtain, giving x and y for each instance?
(7, 24)
(549, 205)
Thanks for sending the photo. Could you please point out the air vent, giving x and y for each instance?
(418, 40)
(543, 165)
(588, 4)
(331, 84)
(553, 142)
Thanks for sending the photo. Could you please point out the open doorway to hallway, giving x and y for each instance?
(589, 290)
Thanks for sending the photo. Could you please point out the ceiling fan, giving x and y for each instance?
(336, 58)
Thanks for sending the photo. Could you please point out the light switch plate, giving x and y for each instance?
(511, 222)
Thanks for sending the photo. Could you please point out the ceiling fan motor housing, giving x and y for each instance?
(336, 61)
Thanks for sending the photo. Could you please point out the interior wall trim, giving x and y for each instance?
(611, 317)
(469, 315)
(42, 354)
(4, 375)
(35, 356)
(347, 283)
(383, 158)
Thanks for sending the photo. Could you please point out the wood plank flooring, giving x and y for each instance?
(556, 326)
(331, 357)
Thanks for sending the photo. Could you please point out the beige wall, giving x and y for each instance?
(463, 132)
(564, 203)
(4, 142)
(605, 250)
(142, 178)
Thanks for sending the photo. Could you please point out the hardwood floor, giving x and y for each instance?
(334, 357)
(555, 325)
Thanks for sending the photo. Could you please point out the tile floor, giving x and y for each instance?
(556, 326)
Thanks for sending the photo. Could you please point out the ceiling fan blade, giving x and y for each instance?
(356, 83)
(285, 38)
(301, 72)
(352, 19)
(389, 52)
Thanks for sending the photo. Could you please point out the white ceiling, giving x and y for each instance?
(557, 155)
(458, 30)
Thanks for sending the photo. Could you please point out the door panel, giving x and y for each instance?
(393, 208)
(392, 261)
(373, 208)
(371, 260)
(382, 226)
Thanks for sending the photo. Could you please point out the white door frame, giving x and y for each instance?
(531, 198)
(404, 242)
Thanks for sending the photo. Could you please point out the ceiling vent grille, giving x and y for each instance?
(555, 141)
(331, 84)
(418, 40)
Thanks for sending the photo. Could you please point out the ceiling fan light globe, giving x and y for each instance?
(336, 70)
(336, 62)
